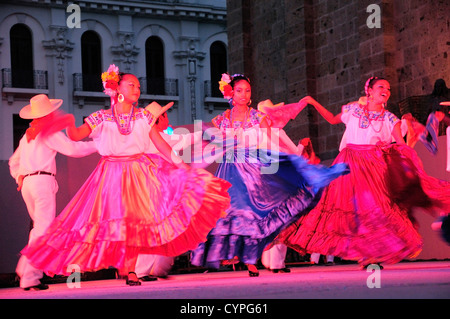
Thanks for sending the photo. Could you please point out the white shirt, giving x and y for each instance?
(110, 142)
(362, 130)
(39, 153)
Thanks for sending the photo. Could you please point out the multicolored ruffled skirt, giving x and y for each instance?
(367, 215)
(128, 206)
(269, 191)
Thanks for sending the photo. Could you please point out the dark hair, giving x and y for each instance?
(440, 88)
(371, 82)
(238, 77)
(123, 74)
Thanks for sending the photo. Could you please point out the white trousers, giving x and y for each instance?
(316, 256)
(153, 265)
(274, 257)
(39, 194)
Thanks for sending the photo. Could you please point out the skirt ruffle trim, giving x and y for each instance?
(98, 246)
(366, 216)
(379, 243)
(245, 236)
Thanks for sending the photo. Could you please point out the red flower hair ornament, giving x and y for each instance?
(110, 80)
(225, 87)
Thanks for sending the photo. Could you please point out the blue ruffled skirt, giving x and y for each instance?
(269, 191)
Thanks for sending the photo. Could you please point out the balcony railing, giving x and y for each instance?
(87, 82)
(92, 83)
(214, 99)
(25, 79)
(159, 86)
(212, 91)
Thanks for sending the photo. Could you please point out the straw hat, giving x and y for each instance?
(40, 106)
(157, 109)
(267, 106)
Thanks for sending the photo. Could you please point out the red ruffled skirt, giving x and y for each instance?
(366, 215)
(128, 206)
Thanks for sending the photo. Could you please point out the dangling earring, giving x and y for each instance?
(249, 102)
(120, 98)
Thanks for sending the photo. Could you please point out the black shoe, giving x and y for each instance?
(285, 269)
(253, 274)
(37, 287)
(130, 282)
(378, 264)
(148, 278)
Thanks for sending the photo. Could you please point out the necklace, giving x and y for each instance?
(123, 122)
(375, 117)
(242, 123)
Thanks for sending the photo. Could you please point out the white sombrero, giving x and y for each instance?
(157, 110)
(40, 106)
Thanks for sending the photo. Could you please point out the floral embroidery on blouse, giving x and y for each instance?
(96, 118)
(254, 118)
(366, 118)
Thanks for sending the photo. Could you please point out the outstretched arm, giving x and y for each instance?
(327, 115)
(279, 139)
(165, 149)
(64, 145)
(76, 133)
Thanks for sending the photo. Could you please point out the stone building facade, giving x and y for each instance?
(177, 48)
(328, 49)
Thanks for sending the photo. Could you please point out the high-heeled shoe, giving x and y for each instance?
(132, 282)
(254, 272)
(364, 267)
(37, 287)
(281, 270)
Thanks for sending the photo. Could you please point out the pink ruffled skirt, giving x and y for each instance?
(366, 215)
(128, 206)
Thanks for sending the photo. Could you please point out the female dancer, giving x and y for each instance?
(261, 204)
(366, 215)
(129, 205)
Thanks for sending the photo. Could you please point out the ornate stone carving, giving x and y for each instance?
(192, 59)
(59, 48)
(126, 51)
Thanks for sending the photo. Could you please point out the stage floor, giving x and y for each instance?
(406, 280)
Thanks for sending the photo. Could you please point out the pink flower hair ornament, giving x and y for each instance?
(110, 80)
(366, 86)
(225, 87)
